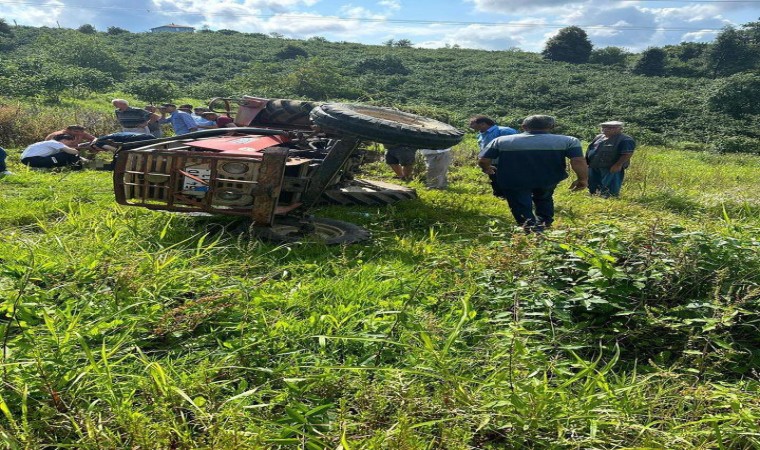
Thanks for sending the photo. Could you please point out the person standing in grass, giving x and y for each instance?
(153, 126)
(57, 152)
(131, 119)
(401, 159)
(488, 131)
(608, 156)
(531, 164)
(437, 163)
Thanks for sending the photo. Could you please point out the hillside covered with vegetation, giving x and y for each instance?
(701, 93)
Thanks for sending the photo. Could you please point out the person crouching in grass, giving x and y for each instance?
(57, 152)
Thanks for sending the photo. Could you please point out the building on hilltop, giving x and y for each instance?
(172, 28)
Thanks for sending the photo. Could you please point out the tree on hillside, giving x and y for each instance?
(736, 95)
(651, 63)
(752, 32)
(152, 90)
(5, 29)
(685, 59)
(609, 56)
(291, 52)
(87, 29)
(318, 79)
(687, 51)
(386, 65)
(571, 45)
(406, 43)
(730, 53)
(116, 30)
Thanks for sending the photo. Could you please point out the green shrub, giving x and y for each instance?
(736, 144)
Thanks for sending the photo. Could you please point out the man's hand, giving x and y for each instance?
(486, 167)
(579, 185)
(616, 168)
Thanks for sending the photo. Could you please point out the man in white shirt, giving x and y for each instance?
(57, 152)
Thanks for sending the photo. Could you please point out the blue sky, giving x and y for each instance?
(482, 24)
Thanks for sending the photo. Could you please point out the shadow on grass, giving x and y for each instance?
(675, 202)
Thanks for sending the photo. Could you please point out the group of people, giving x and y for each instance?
(63, 148)
(183, 118)
(525, 168)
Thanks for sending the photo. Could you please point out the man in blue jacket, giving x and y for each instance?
(531, 164)
(488, 131)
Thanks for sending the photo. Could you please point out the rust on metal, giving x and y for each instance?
(270, 178)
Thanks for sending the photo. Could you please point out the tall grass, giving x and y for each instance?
(22, 124)
(633, 324)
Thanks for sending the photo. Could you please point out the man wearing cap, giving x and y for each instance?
(531, 164)
(488, 131)
(180, 120)
(608, 156)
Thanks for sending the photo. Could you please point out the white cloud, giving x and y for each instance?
(631, 24)
(391, 5)
(515, 7)
(490, 37)
(699, 36)
(359, 12)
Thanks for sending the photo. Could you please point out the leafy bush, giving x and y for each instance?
(152, 90)
(292, 52)
(387, 65)
(737, 95)
(609, 56)
(736, 144)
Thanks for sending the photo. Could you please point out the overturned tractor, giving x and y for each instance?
(284, 158)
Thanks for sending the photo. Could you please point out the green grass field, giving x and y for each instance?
(634, 323)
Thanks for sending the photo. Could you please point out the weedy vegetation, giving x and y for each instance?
(632, 324)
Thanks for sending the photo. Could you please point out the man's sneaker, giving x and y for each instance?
(6, 172)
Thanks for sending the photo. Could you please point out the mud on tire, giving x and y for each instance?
(385, 125)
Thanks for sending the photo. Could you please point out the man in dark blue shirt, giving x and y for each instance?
(531, 164)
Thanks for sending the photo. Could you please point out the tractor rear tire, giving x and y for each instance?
(325, 231)
(368, 193)
(385, 125)
(287, 112)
